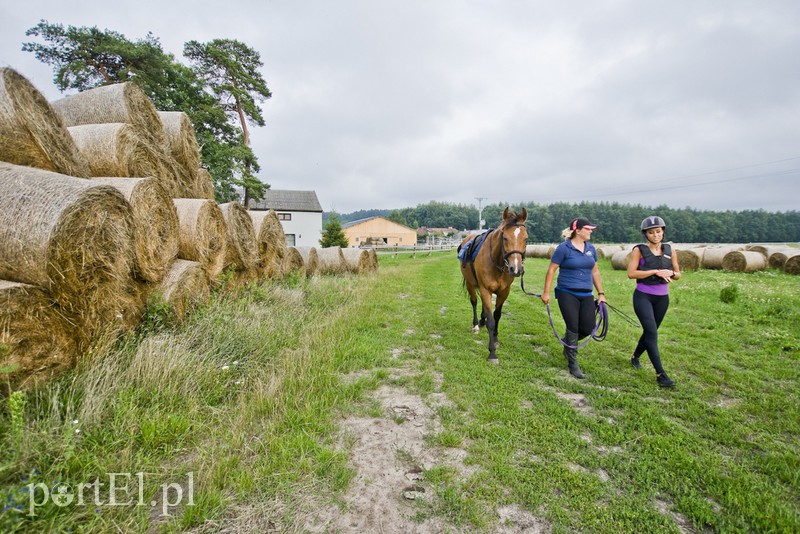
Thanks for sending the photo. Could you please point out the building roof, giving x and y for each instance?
(361, 221)
(288, 200)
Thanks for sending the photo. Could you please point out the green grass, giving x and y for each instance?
(246, 395)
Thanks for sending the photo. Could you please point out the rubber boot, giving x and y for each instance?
(571, 338)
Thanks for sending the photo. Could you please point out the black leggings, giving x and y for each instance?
(650, 309)
(578, 312)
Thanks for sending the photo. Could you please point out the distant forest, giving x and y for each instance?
(616, 223)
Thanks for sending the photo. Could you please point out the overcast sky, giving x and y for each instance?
(393, 103)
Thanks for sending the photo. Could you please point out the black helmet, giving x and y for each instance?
(654, 221)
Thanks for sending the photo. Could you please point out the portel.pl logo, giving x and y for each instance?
(118, 491)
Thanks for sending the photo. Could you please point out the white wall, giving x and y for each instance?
(306, 227)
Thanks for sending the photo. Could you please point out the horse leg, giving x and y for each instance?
(473, 299)
(486, 300)
(498, 312)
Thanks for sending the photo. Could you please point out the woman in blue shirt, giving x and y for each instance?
(576, 260)
(654, 267)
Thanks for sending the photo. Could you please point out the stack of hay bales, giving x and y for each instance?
(103, 204)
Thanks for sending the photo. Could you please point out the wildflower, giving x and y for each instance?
(74, 421)
(77, 430)
(225, 367)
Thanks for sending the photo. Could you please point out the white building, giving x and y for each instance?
(300, 214)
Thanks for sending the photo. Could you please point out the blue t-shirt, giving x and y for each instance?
(574, 267)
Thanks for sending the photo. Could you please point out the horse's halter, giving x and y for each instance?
(506, 255)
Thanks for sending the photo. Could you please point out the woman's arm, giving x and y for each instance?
(598, 283)
(548, 281)
(676, 269)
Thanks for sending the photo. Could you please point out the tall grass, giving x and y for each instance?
(244, 398)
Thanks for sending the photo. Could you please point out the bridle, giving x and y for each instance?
(505, 255)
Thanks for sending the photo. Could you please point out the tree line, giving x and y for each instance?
(220, 89)
(617, 223)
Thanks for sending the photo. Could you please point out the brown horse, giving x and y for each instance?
(499, 260)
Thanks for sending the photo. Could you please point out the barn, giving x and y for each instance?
(378, 231)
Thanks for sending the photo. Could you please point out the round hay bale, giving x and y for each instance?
(331, 260)
(119, 102)
(310, 259)
(712, 257)
(203, 184)
(690, 259)
(620, 260)
(744, 261)
(31, 133)
(185, 286)
(35, 336)
(374, 257)
(69, 236)
(118, 150)
(539, 251)
(357, 260)
(606, 251)
(271, 242)
(777, 257)
(155, 225)
(181, 139)
(203, 234)
(792, 264)
(293, 261)
(241, 248)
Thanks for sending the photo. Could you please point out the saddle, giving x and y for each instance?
(467, 252)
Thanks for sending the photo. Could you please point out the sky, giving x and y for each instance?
(385, 104)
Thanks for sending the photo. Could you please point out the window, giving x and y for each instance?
(284, 216)
(289, 240)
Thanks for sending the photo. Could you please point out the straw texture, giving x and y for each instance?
(185, 286)
(293, 261)
(271, 242)
(713, 256)
(155, 225)
(242, 250)
(620, 259)
(310, 259)
(792, 264)
(744, 261)
(690, 259)
(357, 260)
(331, 260)
(31, 133)
(69, 236)
(35, 333)
(119, 102)
(203, 184)
(539, 251)
(202, 235)
(181, 139)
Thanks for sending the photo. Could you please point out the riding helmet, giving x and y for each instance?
(654, 221)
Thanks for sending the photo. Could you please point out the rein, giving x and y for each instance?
(504, 254)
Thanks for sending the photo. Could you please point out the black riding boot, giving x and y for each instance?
(571, 338)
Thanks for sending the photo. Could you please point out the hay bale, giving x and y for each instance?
(712, 257)
(777, 257)
(70, 236)
(31, 133)
(607, 251)
(792, 264)
(293, 261)
(119, 150)
(181, 140)
(690, 259)
(185, 286)
(203, 234)
(271, 242)
(241, 248)
(744, 261)
(203, 184)
(374, 257)
(620, 259)
(310, 259)
(331, 260)
(155, 225)
(35, 336)
(119, 102)
(357, 260)
(539, 251)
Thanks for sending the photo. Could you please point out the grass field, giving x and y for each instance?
(239, 408)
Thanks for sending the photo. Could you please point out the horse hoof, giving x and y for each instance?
(476, 329)
(494, 361)
(496, 345)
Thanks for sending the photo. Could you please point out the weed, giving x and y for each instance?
(728, 294)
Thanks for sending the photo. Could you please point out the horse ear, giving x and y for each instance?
(505, 213)
(524, 216)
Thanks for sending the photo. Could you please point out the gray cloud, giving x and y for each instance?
(391, 104)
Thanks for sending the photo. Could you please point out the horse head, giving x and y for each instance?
(515, 237)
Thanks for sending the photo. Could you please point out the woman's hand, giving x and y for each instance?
(545, 297)
(666, 274)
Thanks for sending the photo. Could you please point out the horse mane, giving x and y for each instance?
(513, 218)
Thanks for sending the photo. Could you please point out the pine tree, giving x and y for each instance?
(333, 236)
